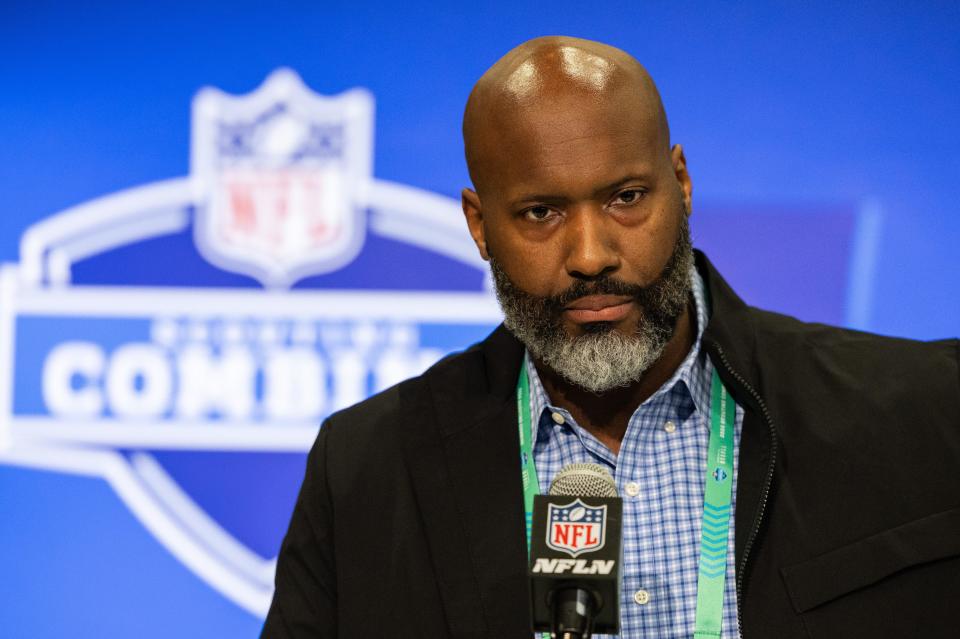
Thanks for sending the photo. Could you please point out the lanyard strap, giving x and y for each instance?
(528, 470)
(718, 483)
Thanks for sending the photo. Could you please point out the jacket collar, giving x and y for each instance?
(730, 330)
(730, 340)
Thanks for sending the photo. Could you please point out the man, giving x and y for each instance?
(846, 494)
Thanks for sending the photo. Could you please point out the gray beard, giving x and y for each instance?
(603, 358)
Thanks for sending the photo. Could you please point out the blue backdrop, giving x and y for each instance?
(824, 132)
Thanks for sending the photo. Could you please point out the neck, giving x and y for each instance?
(607, 414)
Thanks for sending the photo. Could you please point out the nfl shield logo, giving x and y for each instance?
(280, 177)
(576, 527)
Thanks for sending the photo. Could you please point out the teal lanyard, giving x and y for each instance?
(718, 483)
(528, 470)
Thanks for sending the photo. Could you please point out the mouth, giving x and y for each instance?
(598, 308)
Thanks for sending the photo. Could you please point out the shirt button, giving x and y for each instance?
(557, 418)
(633, 489)
(669, 427)
(642, 597)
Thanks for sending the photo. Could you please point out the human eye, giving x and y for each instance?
(538, 213)
(626, 197)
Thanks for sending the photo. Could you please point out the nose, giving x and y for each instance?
(591, 244)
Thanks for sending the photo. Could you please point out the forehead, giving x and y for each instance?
(568, 142)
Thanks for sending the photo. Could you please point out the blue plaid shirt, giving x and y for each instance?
(660, 476)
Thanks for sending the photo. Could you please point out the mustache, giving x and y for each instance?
(600, 286)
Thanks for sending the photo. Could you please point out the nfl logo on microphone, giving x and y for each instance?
(576, 528)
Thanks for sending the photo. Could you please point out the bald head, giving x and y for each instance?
(556, 79)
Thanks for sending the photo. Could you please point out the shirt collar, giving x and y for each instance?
(692, 375)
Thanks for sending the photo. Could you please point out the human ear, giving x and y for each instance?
(683, 177)
(472, 211)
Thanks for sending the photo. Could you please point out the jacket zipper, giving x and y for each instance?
(765, 494)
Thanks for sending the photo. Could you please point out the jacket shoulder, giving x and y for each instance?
(847, 357)
(375, 423)
(789, 331)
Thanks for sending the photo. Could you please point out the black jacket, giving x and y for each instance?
(409, 522)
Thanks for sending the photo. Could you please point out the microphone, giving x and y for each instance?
(575, 554)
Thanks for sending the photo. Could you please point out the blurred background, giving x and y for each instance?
(164, 368)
